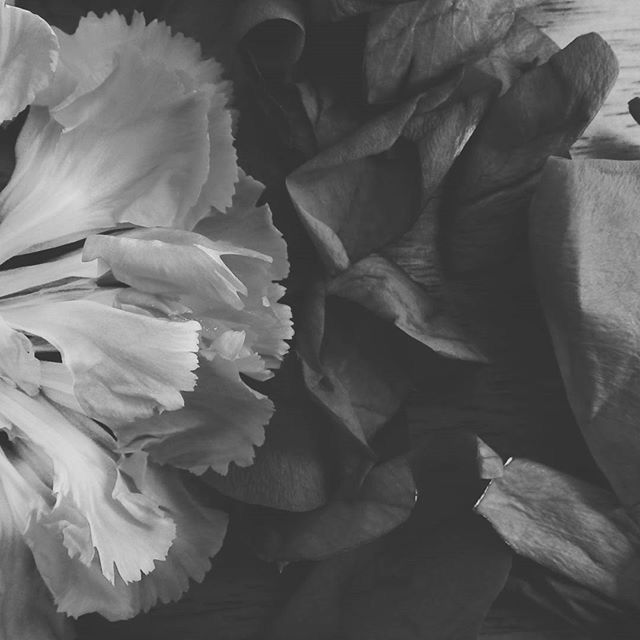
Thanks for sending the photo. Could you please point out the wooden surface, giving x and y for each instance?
(614, 133)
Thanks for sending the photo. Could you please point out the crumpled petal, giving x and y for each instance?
(222, 421)
(133, 151)
(200, 530)
(88, 56)
(18, 364)
(28, 57)
(125, 365)
(95, 510)
(26, 607)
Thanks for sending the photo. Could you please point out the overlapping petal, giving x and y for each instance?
(95, 511)
(222, 422)
(18, 364)
(132, 152)
(200, 530)
(26, 607)
(28, 57)
(89, 55)
(124, 365)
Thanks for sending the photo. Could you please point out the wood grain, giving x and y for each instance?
(614, 133)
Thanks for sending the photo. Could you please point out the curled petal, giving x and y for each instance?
(26, 607)
(132, 152)
(80, 588)
(171, 262)
(28, 57)
(18, 364)
(124, 365)
(94, 509)
(223, 420)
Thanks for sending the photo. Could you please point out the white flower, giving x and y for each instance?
(121, 351)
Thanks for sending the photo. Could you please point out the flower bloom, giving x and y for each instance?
(138, 282)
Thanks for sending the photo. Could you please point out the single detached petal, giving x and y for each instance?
(125, 365)
(567, 525)
(18, 364)
(26, 606)
(132, 152)
(585, 242)
(80, 588)
(28, 57)
(95, 511)
(223, 420)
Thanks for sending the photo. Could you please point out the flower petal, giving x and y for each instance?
(70, 266)
(222, 421)
(80, 589)
(18, 364)
(125, 365)
(171, 262)
(94, 509)
(26, 607)
(133, 151)
(87, 58)
(28, 57)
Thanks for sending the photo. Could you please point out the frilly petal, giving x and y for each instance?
(132, 152)
(124, 365)
(95, 511)
(223, 420)
(80, 589)
(28, 57)
(26, 607)
(88, 56)
(18, 364)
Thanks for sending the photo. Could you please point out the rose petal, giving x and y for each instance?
(26, 607)
(28, 57)
(125, 365)
(94, 509)
(133, 151)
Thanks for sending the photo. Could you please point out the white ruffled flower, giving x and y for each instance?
(121, 352)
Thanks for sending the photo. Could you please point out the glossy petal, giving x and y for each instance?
(125, 365)
(95, 511)
(26, 607)
(28, 57)
(222, 421)
(80, 589)
(133, 151)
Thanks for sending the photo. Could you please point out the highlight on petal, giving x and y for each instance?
(28, 58)
(124, 365)
(95, 511)
(222, 421)
(200, 530)
(132, 152)
(26, 606)
(88, 57)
